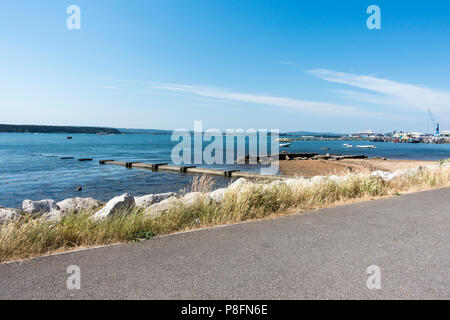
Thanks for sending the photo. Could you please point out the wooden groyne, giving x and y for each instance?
(191, 169)
(322, 139)
(316, 156)
(247, 159)
(287, 156)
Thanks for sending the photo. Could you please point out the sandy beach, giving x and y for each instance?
(310, 168)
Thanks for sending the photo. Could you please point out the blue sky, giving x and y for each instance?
(291, 65)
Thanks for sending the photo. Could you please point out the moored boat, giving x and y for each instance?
(370, 146)
(285, 145)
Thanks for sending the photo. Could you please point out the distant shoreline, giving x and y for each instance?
(11, 128)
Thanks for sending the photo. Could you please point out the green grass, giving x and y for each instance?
(29, 237)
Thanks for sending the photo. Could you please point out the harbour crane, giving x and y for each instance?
(435, 124)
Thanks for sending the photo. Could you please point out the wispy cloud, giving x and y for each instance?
(387, 92)
(309, 107)
(102, 87)
(289, 63)
(366, 97)
(368, 91)
(183, 94)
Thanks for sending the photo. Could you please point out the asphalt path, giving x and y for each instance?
(322, 254)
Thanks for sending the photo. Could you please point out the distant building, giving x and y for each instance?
(399, 134)
(416, 134)
(366, 133)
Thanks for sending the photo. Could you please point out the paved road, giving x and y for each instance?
(321, 254)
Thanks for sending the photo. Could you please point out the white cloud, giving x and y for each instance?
(387, 92)
(366, 97)
(315, 107)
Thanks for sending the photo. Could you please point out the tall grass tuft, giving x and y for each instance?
(201, 184)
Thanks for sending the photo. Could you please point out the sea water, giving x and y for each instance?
(31, 166)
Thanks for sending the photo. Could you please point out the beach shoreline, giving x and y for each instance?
(321, 167)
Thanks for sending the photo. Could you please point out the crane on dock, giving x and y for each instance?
(435, 124)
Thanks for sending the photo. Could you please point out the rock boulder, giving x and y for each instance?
(8, 214)
(318, 179)
(119, 204)
(148, 200)
(193, 197)
(39, 208)
(78, 204)
(158, 209)
(218, 195)
(237, 185)
(382, 174)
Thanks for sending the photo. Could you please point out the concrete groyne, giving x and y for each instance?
(190, 169)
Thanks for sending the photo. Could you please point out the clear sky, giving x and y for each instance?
(291, 65)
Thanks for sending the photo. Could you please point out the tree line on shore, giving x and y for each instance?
(55, 129)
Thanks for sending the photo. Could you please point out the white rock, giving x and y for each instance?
(433, 167)
(414, 171)
(54, 215)
(8, 214)
(238, 184)
(276, 184)
(318, 179)
(159, 208)
(393, 175)
(444, 164)
(78, 204)
(39, 208)
(149, 199)
(382, 174)
(297, 183)
(192, 198)
(404, 173)
(116, 205)
(144, 201)
(335, 178)
(218, 195)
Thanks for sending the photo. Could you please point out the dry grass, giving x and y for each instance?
(200, 184)
(30, 237)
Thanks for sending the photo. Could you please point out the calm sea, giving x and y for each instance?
(31, 168)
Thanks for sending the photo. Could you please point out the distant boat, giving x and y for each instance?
(370, 146)
(285, 145)
(69, 138)
(348, 145)
(283, 140)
